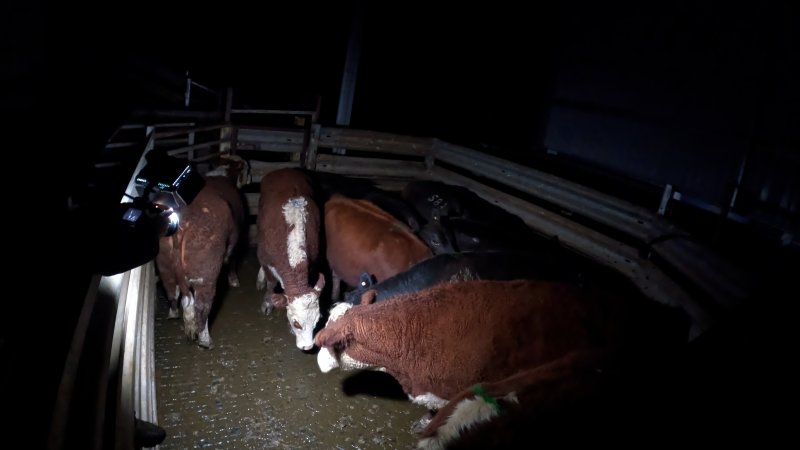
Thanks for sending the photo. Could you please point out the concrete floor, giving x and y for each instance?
(256, 390)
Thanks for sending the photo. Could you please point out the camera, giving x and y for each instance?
(164, 186)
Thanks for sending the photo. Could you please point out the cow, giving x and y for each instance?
(362, 237)
(288, 248)
(190, 261)
(458, 220)
(328, 184)
(544, 403)
(453, 267)
(440, 341)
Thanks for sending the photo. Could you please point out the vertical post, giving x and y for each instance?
(665, 196)
(225, 132)
(190, 141)
(350, 72)
(187, 95)
(310, 158)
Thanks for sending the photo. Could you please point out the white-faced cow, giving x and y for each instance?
(440, 341)
(288, 248)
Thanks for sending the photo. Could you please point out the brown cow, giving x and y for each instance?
(489, 415)
(190, 261)
(441, 340)
(288, 248)
(361, 237)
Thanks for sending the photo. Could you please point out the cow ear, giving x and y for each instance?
(366, 280)
(327, 338)
(320, 283)
(436, 214)
(279, 300)
(369, 297)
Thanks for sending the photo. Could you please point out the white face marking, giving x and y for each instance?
(275, 274)
(428, 400)
(296, 214)
(326, 361)
(337, 311)
(304, 311)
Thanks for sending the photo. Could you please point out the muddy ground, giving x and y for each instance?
(256, 390)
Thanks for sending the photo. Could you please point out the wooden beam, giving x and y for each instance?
(189, 148)
(650, 280)
(165, 134)
(369, 167)
(285, 112)
(259, 168)
(727, 285)
(374, 141)
(284, 141)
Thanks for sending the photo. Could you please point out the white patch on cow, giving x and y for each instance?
(337, 311)
(187, 302)
(194, 280)
(261, 281)
(204, 339)
(430, 401)
(173, 312)
(276, 275)
(305, 311)
(295, 212)
(348, 363)
(467, 413)
(326, 360)
(463, 274)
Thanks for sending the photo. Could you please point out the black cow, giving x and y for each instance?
(452, 267)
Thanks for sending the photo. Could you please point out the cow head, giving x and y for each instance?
(366, 281)
(235, 168)
(334, 341)
(303, 313)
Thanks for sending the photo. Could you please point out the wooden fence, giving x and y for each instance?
(623, 230)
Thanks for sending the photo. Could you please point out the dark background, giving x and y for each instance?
(664, 92)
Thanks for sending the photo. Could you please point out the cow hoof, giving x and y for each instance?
(233, 280)
(173, 314)
(422, 423)
(266, 308)
(206, 345)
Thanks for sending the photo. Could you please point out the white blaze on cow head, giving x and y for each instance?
(329, 358)
(303, 314)
(295, 212)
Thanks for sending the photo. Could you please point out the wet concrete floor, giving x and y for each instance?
(256, 390)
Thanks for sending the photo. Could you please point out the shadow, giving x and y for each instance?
(377, 384)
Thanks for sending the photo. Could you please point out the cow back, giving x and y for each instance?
(362, 237)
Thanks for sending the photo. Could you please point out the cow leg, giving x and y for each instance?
(174, 295)
(204, 298)
(418, 426)
(233, 278)
(266, 279)
(189, 323)
(336, 287)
